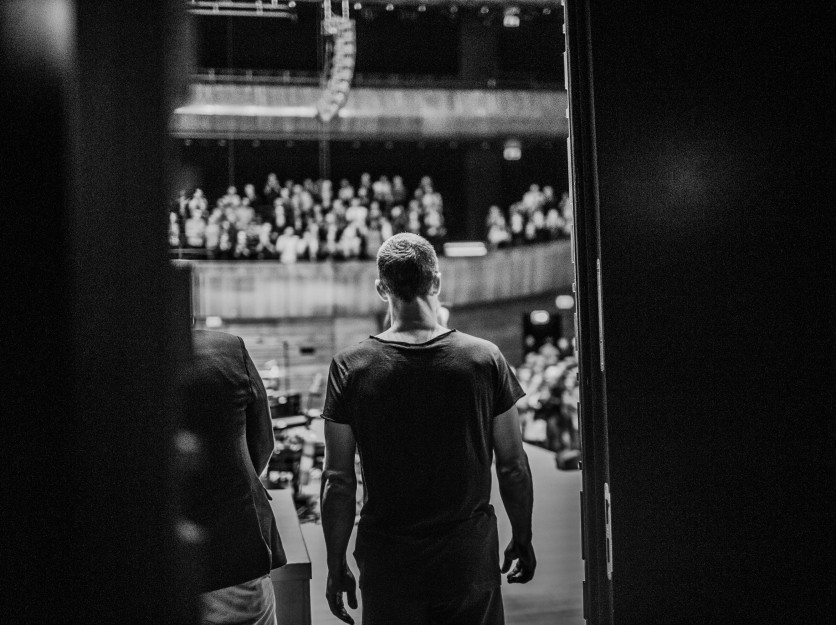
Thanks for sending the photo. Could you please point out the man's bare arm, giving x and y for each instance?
(516, 489)
(337, 503)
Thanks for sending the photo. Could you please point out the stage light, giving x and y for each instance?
(511, 18)
(291, 4)
(460, 249)
(422, 8)
(539, 317)
(484, 10)
(390, 7)
(454, 9)
(512, 150)
(357, 6)
(564, 302)
(547, 11)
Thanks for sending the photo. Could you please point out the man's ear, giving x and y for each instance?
(436, 286)
(381, 290)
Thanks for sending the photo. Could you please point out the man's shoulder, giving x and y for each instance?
(212, 339)
(364, 348)
(474, 344)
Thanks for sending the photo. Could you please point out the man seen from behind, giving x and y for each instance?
(427, 408)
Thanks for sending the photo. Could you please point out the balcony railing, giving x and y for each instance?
(373, 80)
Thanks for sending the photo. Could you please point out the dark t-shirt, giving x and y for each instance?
(422, 416)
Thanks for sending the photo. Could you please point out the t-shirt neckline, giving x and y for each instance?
(405, 344)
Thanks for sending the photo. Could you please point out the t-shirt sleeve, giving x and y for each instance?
(508, 389)
(336, 406)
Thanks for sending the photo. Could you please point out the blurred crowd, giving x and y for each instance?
(538, 216)
(549, 409)
(312, 220)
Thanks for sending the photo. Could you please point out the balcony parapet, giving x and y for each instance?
(258, 110)
(267, 290)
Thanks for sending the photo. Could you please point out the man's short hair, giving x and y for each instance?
(407, 265)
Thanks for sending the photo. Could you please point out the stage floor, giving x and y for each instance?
(553, 597)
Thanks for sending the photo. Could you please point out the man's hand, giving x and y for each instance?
(523, 553)
(341, 581)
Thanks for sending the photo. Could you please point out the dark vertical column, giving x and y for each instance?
(91, 340)
(483, 187)
(716, 267)
(39, 486)
(478, 49)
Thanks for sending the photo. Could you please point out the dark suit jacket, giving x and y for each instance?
(226, 408)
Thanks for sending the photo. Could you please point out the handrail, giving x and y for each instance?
(366, 79)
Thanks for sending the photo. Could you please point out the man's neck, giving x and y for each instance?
(413, 322)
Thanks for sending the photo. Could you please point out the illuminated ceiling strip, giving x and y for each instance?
(246, 110)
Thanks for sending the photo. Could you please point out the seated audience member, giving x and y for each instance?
(498, 233)
(346, 191)
(399, 192)
(326, 193)
(213, 234)
(330, 234)
(356, 211)
(517, 225)
(227, 240)
(253, 199)
(433, 228)
(554, 223)
(366, 180)
(195, 230)
(231, 198)
(181, 204)
(310, 242)
(383, 190)
(287, 246)
(350, 242)
(532, 199)
(400, 219)
(244, 215)
(549, 200)
(265, 249)
(241, 250)
(198, 201)
(374, 232)
(173, 230)
(272, 188)
(414, 220)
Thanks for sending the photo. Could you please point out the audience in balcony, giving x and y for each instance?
(538, 216)
(314, 222)
(306, 221)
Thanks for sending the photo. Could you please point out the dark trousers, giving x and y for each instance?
(476, 608)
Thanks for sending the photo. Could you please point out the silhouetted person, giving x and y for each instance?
(226, 407)
(427, 408)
